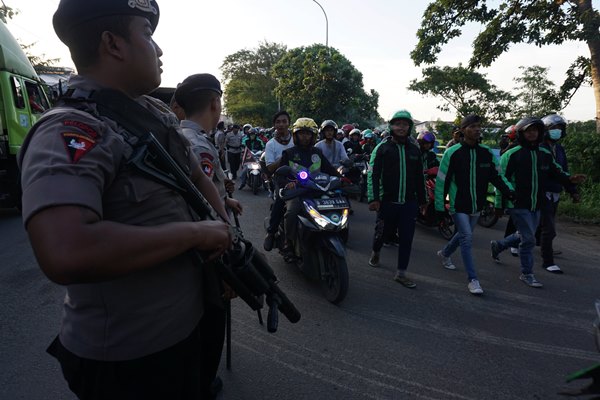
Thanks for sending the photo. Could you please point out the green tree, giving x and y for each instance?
(465, 91)
(538, 22)
(250, 85)
(535, 93)
(6, 12)
(35, 60)
(320, 83)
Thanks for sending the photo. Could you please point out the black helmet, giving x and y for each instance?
(327, 123)
(555, 121)
(527, 122)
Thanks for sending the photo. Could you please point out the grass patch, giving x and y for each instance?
(588, 210)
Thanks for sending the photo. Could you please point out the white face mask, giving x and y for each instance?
(555, 134)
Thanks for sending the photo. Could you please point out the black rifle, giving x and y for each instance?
(245, 270)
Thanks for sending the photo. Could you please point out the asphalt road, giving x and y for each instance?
(383, 342)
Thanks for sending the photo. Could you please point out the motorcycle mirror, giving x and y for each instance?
(349, 150)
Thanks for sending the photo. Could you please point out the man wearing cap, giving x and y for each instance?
(123, 245)
(464, 174)
(199, 96)
(233, 143)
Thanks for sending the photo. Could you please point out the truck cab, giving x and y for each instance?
(22, 102)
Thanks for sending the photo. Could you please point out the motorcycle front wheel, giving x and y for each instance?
(334, 276)
(255, 183)
(488, 217)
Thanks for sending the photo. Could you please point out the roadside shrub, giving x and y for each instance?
(583, 153)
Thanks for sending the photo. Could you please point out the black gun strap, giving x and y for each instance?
(139, 121)
(132, 116)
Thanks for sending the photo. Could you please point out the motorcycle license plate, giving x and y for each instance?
(325, 204)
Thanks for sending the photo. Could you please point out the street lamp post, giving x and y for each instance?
(326, 25)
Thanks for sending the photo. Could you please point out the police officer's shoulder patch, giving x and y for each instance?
(77, 145)
(207, 167)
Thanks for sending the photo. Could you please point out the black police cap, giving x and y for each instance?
(73, 13)
(195, 83)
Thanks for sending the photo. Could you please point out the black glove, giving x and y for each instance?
(440, 216)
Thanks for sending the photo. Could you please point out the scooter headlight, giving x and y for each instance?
(344, 220)
(322, 221)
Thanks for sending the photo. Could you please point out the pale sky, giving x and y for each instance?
(377, 36)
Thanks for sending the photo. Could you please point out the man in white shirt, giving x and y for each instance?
(332, 149)
(281, 141)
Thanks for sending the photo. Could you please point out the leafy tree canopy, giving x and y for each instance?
(535, 93)
(250, 85)
(506, 22)
(465, 91)
(320, 83)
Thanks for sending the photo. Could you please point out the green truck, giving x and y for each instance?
(22, 102)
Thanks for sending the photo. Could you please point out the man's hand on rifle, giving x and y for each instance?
(228, 292)
(234, 205)
(229, 186)
(214, 238)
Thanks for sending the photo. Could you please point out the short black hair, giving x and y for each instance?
(221, 125)
(280, 113)
(85, 41)
(198, 102)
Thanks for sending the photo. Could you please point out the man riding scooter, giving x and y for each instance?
(302, 157)
(252, 144)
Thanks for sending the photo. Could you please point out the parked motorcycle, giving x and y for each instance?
(488, 217)
(318, 249)
(593, 372)
(428, 217)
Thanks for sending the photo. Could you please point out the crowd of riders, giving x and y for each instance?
(529, 174)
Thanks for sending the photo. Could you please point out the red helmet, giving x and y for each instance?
(347, 128)
(511, 132)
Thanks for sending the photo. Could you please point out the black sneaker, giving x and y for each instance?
(269, 241)
(404, 281)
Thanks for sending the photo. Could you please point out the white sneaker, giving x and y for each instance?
(475, 287)
(446, 261)
(514, 251)
(555, 269)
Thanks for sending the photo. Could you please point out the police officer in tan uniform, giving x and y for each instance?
(199, 96)
(233, 143)
(135, 318)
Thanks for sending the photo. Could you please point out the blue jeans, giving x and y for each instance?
(465, 224)
(526, 222)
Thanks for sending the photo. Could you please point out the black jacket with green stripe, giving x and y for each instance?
(464, 175)
(396, 173)
(528, 169)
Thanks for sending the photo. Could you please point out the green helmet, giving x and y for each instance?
(402, 114)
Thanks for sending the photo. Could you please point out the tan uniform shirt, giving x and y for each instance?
(206, 153)
(74, 158)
